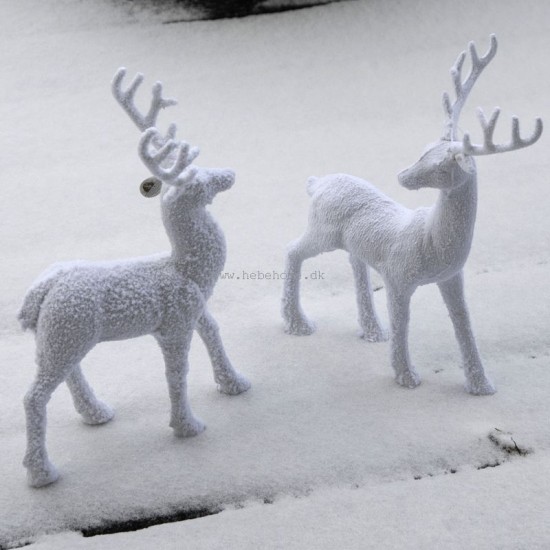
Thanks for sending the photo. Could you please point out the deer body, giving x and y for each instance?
(384, 233)
(409, 248)
(75, 305)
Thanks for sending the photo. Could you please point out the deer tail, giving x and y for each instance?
(32, 303)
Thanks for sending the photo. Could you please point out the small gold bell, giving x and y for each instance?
(150, 187)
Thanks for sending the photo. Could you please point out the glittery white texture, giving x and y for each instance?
(409, 248)
(73, 306)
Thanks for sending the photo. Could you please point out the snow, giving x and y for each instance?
(508, 509)
(324, 433)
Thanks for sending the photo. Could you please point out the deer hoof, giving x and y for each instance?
(189, 428)
(408, 379)
(101, 415)
(376, 334)
(237, 385)
(40, 477)
(300, 327)
(480, 387)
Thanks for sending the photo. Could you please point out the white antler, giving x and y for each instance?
(463, 88)
(178, 154)
(488, 127)
(126, 101)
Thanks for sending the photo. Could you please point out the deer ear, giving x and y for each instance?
(465, 162)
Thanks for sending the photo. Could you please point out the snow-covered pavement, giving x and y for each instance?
(325, 450)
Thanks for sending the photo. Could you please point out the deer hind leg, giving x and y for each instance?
(40, 471)
(452, 291)
(92, 410)
(371, 328)
(175, 349)
(229, 381)
(296, 321)
(398, 308)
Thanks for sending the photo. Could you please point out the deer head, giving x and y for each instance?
(171, 163)
(169, 160)
(449, 162)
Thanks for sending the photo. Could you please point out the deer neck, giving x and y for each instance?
(198, 245)
(450, 227)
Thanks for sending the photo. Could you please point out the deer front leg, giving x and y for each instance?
(398, 309)
(452, 291)
(371, 328)
(229, 381)
(175, 351)
(296, 321)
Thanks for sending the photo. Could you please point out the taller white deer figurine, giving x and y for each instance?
(408, 248)
(75, 305)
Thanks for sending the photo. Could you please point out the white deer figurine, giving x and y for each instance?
(75, 305)
(407, 247)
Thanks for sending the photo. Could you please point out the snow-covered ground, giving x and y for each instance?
(325, 450)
